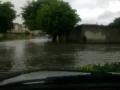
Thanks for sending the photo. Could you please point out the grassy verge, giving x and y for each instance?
(11, 36)
(108, 67)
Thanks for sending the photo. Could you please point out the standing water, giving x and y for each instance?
(39, 53)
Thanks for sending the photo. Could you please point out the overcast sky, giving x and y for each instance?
(91, 11)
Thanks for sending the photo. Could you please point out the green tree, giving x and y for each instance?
(30, 12)
(7, 15)
(115, 23)
(55, 17)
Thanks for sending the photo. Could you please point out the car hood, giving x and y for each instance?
(39, 75)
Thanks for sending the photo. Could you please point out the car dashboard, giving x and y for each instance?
(80, 82)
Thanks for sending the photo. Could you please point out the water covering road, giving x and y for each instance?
(39, 53)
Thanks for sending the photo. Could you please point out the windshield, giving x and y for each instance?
(81, 35)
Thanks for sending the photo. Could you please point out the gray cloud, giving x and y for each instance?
(97, 11)
(91, 4)
(108, 17)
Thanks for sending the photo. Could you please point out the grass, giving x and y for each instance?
(108, 67)
(11, 36)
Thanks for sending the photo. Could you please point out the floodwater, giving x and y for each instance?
(40, 53)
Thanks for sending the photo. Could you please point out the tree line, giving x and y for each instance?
(55, 17)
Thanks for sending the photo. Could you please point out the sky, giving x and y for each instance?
(90, 11)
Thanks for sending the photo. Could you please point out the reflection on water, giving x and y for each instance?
(50, 56)
(5, 58)
(39, 53)
(18, 57)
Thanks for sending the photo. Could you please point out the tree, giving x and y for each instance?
(30, 12)
(7, 15)
(115, 23)
(54, 17)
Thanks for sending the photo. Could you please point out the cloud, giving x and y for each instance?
(89, 3)
(96, 11)
(108, 17)
(90, 13)
(114, 6)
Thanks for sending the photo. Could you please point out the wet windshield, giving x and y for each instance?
(60, 34)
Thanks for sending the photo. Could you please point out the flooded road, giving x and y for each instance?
(39, 53)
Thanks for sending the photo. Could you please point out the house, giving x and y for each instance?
(92, 33)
